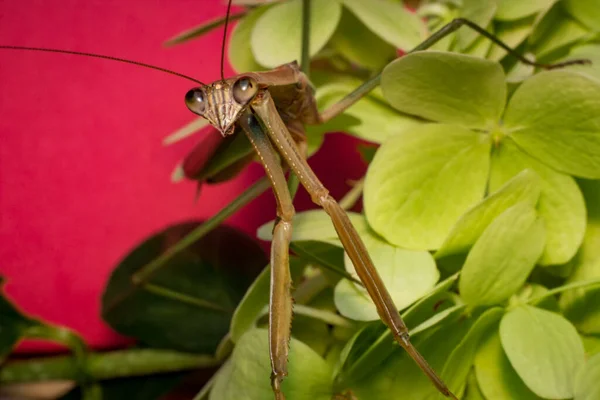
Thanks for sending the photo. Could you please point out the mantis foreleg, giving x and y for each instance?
(280, 306)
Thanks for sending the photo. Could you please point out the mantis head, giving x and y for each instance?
(222, 102)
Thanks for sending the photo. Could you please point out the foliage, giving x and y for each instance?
(481, 212)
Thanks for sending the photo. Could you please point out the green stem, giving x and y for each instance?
(350, 199)
(570, 286)
(322, 315)
(116, 364)
(184, 298)
(74, 342)
(305, 56)
(250, 194)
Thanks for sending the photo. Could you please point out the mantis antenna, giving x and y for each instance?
(225, 40)
(104, 57)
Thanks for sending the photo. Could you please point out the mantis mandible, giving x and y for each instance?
(272, 108)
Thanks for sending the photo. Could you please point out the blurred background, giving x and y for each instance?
(84, 176)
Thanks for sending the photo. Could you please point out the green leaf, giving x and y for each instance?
(480, 46)
(360, 45)
(509, 10)
(503, 257)
(524, 187)
(555, 31)
(251, 306)
(371, 345)
(580, 306)
(591, 344)
(247, 375)
(277, 35)
(561, 203)
(391, 21)
(420, 182)
(326, 255)
(370, 118)
(480, 12)
(408, 275)
(586, 11)
(473, 389)
(589, 52)
(497, 378)
(457, 367)
(239, 52)
(544, 349)
(188, 304)
(586, 384)
(554, 117)
(13, 324)
(446, 87)
(513, 33)
(314, 225)
(233, 152)
(399, 373)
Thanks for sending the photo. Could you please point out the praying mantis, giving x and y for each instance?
(272, 108)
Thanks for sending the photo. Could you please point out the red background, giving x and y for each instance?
(84, 176)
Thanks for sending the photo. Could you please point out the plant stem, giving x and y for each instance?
(348, 201)
(250, 194)
(570, 286)
(116, 364)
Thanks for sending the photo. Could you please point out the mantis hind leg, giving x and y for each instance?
(275, 128)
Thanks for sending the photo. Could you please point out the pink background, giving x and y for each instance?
(84, 176)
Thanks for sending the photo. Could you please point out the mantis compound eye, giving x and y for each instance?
(195, 100)
(244, 90)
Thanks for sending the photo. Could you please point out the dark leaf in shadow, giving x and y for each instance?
(186, 305)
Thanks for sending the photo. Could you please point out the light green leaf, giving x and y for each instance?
(513, 33)
(371, 346)
(554, 116)
(555, 31)
(370, 118)
(473, 389)
(503, 257)
(524, 187)
(586, 384)
(446, 87)
(360, 45)
(580, 306)
(561, 203)
(420, 182)
(408, 275)
(480, 46)
(391, 21)
(239, 52)
(248, 378)
(586, 11)
(314, 225)
(589, 52)
(545, 350)
(399, 374)
(510, 10)
(457, 367)
(497, 378)
(251, 306)
(277, 35)
(480, 12)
